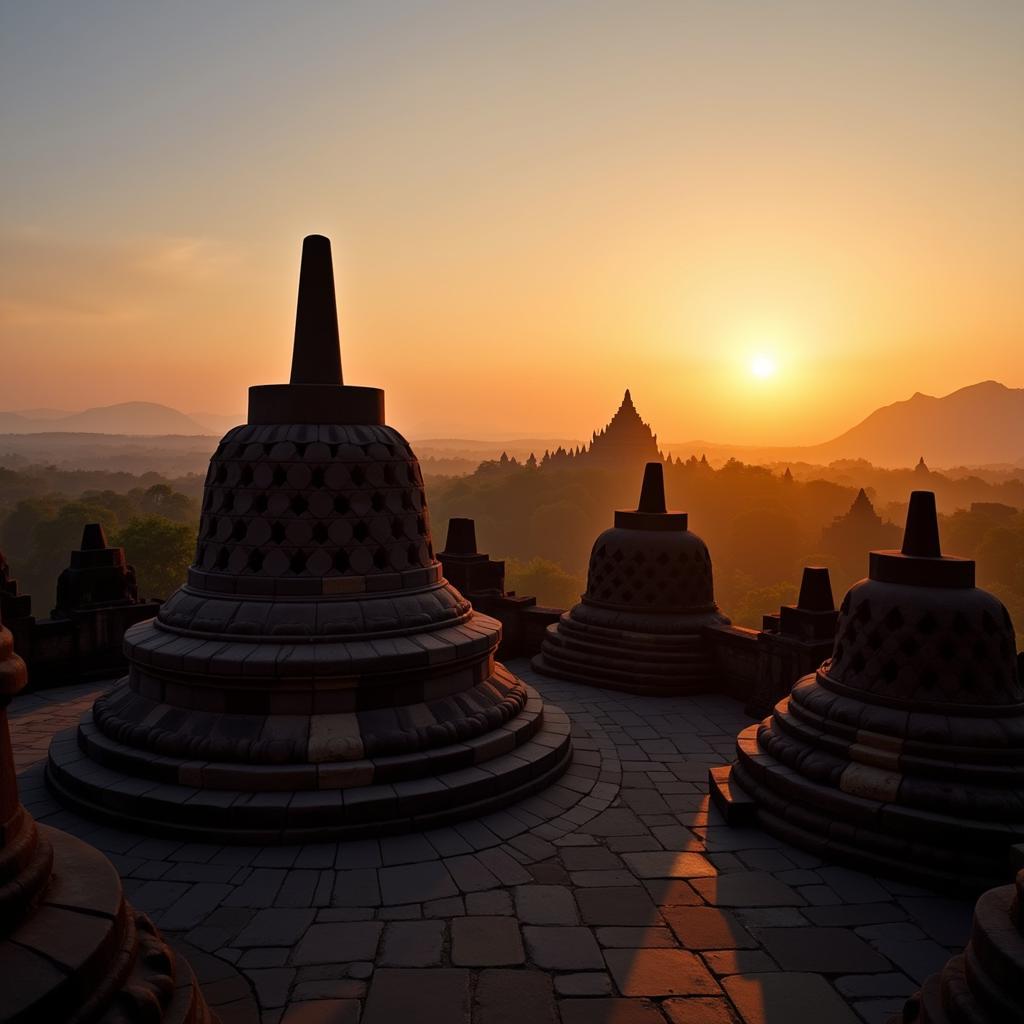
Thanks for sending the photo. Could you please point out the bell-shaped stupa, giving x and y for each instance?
(904, 752)
(985, 983)
(649, 595)
(316, 676)
(72, 949)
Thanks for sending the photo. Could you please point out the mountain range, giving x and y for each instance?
(978, 425)
(136, 418)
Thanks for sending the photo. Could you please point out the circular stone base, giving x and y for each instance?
(469, 780)
(939, 851)
(650, 664)
(85, 955)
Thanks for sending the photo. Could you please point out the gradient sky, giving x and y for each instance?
(533, 206)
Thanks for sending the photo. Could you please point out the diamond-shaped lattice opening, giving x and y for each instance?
(377, 501)
(259, 503)
(298, 505)
(280, 476)
(341, 504)
(929, 679)
(317, 477)
(223, 557)
(874, 639)
(863, 612)
(320, 533)
(277, 533)
(890, 670)
(360, 531)
(927, 625)
(893, 618)
(389, 473)
(406, 501)
(298, 562)
(238, 531)
(909, 646)
(397, 528)
(341, 561)
(255, 562)
(358, 476)
(421, 526)
(857, 662)
(222, 474)
(412, 552)
(380, 558)
(228, 504)
(211, 526)
(245, 477)
(617, 555)
(960, 623)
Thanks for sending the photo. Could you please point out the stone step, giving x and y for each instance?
(313, 815)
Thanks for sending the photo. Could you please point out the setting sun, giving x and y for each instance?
(762, 366)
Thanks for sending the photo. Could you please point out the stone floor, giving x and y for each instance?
(616, 896)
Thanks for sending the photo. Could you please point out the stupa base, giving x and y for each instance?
(939, 851)
(985, 983)
(265, 804)
(84, 954)
(648, 664)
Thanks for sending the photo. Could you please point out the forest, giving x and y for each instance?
(761, 524)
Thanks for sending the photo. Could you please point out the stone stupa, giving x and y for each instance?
(904, 753)
(649, 595)
(72, 950)
(985, 983)
(316, 676)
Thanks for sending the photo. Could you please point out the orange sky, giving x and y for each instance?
(533, 206)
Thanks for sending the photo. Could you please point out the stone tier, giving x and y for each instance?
(84, 955)
(657, 664)
(985, 983)
(937, 798)
(301, 802)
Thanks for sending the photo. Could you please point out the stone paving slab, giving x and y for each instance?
(618, 896)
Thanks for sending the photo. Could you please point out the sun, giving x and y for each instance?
(762, 366)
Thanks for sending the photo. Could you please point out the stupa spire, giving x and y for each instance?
(316, 355)
(652, 492)
(921, 535)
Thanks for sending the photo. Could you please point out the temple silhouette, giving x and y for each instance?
(317, 771)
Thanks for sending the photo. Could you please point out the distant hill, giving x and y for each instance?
(979, 425)
(136, 418)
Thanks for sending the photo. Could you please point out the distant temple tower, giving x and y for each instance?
(649, 595)
(903, 752)
(858, 530)
(316, 676)
(626, 442)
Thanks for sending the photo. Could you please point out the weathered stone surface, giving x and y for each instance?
(659, 972)
(563, 949)
(486, 942)
(793, 998)
(435, 996)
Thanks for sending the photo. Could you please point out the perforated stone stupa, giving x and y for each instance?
(649, 594)
(316, 675)
(904, 752)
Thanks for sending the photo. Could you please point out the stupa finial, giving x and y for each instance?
(316, 356)
(816, 590)
(921, 535)
(652, 493)
(93, 537)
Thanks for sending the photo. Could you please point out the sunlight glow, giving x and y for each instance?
(762, 366)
